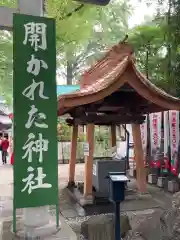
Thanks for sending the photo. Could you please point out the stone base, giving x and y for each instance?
(173, 186)
(152, 178)
(71, 184)
(38, 232)
(144, 195)
(101, 227)
(87, 200)
(161, 182)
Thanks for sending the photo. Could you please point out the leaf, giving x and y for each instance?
(6, 66)
(8, 3)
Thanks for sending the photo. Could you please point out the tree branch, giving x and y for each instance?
(71, 13)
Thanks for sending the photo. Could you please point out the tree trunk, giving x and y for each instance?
(69, 73)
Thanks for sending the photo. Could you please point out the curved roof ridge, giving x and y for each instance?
(111, 73)
(114, 56)
(101, 82)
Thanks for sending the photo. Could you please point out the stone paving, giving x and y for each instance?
(6, 202)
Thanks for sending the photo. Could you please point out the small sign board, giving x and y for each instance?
(86, 149)
(119, 178)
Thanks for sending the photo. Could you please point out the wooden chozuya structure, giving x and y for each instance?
(113, 92)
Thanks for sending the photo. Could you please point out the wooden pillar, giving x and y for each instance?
(113, 135)
(72, 161)
(89, 161)
(138, 153)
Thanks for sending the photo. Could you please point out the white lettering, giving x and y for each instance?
(30, 180)
(35, 34)
(36, 118)
(37, 146)
(34, 65)
(29, 92)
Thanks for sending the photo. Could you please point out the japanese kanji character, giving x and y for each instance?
(29, 92)
(35, 33)
(36, 117)
(38, 146)
(34, 65)
(31, 180)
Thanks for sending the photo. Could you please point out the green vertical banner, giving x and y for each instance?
(35, 112)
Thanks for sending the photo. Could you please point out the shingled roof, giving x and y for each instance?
(116, 69)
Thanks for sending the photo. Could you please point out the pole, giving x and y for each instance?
(127, 147)
(117, 221)
(33, 7)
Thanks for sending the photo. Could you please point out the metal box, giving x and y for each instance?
(117, 187)
(152, 178)
(101, 169)
(173, 186)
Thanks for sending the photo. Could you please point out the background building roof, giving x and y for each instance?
(65, 89)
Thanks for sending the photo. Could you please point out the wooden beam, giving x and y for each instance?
(89, 161)
(113, 135)
(138, 153)
(141, 109)
(72, 161)
(133, 104)
(105, 119)
(124, 99)
(81, 110)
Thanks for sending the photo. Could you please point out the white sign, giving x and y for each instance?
(166, 140)
(120, 178)
(155, 134)
(143, 128)
(86, 149)
(174, 140)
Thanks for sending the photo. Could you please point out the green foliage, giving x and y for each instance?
(90, 31)
(102, 136)
(173, 36)
(74, 29)
(8, 3)
(150, 50)
(6, 66)
(168, 16)
(84, 32)
(113, 20)
(78, 44)
(64, 131)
